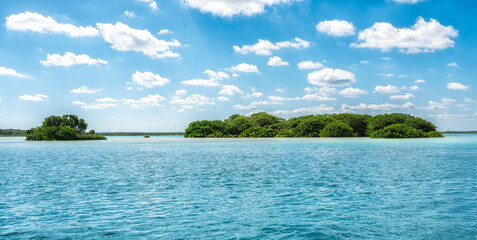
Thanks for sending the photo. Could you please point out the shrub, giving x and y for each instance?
(256, 132)
(337, 129)
(433, 134)
(398, 131)
(311, 127)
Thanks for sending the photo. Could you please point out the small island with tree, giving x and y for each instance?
(66, 127)
(395, 125)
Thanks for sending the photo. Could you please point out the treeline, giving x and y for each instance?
(12, 133)
(395, 125)
(66, 127)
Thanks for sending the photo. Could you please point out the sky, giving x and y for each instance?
(150, 65)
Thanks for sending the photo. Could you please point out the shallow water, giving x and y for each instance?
(176, 188)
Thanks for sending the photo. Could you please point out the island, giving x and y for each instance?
(66, 127)
(394, 125)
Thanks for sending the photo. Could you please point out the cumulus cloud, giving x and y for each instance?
(436, 106)
(317, 97)
(406, 96)
(414, 88)
(336, 28)
(193, 99)
(265, 47)
(164, 31)
(282, 99)
(152, 4)
(212, 81)
(101, 103)
(420, 81)
(375, 107)
(457, 86)
(35, 98)
(230, 90)
(309, 65)
(244, 67)
(35, 22)
(124, 38)
(149, 101)
(309, 110)
(352, 92)
(180, 92)
(324, 91)
(331, 77)
(422, 37)
(230, 8)
(129, 14)
(11, 72)
(222, 98)
(85, 89)
(70, 59)
(254, 104)
(386, 89)
(453, 64)
(254, 95)
(276, 61)
(148, 79)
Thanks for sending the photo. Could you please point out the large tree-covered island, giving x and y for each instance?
(66, 127)
(395, 125)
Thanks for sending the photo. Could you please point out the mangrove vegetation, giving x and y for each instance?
(395, 125)
(66, 127)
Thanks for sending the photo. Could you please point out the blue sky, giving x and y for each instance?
(144, 65)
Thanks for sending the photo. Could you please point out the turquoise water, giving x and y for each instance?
(176, 188)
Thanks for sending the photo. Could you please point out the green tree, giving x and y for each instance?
(398, 130)
(311, 126)
(264, 119)
(337, 129)
(358, 122)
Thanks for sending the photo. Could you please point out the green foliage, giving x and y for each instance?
(311, 126)
(398, 130)
(337, 129)
(12, 132)
(395, 125)
(434, 134)
(66, 127)
(257, 132)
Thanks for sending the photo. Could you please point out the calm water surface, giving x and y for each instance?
(176, 188)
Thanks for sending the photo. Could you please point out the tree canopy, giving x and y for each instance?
(66, 127)
(395, 125)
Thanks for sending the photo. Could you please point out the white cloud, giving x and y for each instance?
(388, 75)
(164, 31)
(331, 77)
(324, 91)
(212, 81)
(318, 97)
(457, 86)
(35, 22)
(414, 88)
(148, 79)
(85, 89)
(406, 96)
(253, 95)
(265, 47)
(129, 14)
(336, 28)
(11, 72)
(375, 107)
(152, 4)
(124, 38)
(282, 99)
(309, 65)
(244, 67)
(279, 90)
(222, 98)
(276, 61)
(352, 92)
(386, 89)
(436, 106)
(453, 64)
(0, 99)
(230, 90)
(310, 110)
(254, 104)
(193, 99)
(363, 62)
(35, 98)
(448, 101)
(70, 59)
(422, 37)
(180, 92)
(230, 8)
(101, 103)
(408, 1)
(420, 81)
(469, 100)
(149, 101)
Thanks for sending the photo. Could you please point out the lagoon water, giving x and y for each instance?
(176, 188)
